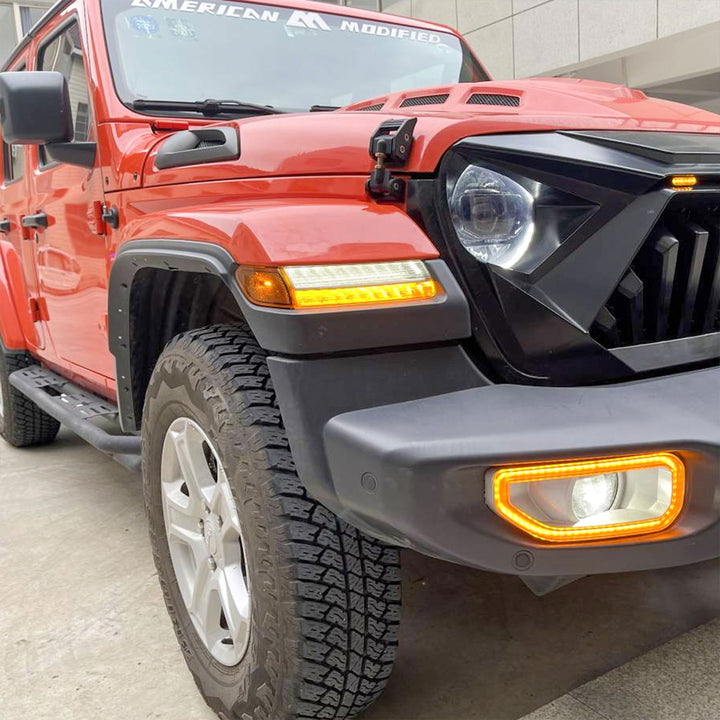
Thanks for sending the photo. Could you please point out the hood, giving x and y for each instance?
(336, 143)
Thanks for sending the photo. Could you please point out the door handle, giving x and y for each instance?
(35, 221)
(5, 226)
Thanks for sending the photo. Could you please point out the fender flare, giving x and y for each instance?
(279, 331)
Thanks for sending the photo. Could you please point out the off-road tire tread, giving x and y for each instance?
(346, 590)
(25, 424)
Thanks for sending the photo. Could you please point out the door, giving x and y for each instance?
(19, 250)
(70, 256)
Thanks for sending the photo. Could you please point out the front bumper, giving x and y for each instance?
(413, 472)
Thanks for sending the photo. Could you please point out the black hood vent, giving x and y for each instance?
(494, 99)
(371, 108)
(425, 100)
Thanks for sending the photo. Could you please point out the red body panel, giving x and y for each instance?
(295, 195)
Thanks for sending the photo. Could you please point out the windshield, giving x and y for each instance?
(184, 50)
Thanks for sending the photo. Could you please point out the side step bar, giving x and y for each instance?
(77, 409)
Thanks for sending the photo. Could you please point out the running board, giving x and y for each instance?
(77, 409)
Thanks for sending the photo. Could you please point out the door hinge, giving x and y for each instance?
(110, 216)
(390, 146)
(38, 309)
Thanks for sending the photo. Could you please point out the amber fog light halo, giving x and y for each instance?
(590, 500)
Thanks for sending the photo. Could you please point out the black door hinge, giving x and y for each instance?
(390, 147)
(110, 216)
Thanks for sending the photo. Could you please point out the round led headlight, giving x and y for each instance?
(493, 216)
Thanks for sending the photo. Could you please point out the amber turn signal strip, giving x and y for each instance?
(504, 478)
(274, 287)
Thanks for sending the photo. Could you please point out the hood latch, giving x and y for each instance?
(390, 147)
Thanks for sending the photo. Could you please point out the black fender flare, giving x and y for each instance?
(279, 331)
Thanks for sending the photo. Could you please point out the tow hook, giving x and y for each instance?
(390, 146)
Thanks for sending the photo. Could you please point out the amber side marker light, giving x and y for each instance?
(683, 182)
(590, 500)
(317, 286)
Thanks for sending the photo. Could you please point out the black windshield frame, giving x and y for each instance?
(469, 70)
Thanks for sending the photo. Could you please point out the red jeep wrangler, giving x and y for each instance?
(492, 338)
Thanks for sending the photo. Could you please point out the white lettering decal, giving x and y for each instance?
(298, 18)
(310, 20)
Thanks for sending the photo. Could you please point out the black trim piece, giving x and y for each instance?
(664, 147)
(312, 391)
(670, 353)
(198, 146)
(428, 459)
(289, 332)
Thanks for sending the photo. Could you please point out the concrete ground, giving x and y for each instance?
(85, 634)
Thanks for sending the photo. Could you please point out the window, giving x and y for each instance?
(64, 54)
(29, 16)
(165, 54)
(13, 162)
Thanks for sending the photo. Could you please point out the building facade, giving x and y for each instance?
(669, 48)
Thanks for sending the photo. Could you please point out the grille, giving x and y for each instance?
(672, 288)
(494, 99)
(371, 108)
(425, 100)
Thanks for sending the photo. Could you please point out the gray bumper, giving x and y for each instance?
(413, 472)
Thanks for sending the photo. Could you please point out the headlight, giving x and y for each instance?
(493, 216)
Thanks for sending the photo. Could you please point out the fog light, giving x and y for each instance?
(594, 494)
(590, 499)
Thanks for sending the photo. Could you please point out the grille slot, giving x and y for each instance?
(494, 99)
(672, 288)
(371, 108)
(425, 100)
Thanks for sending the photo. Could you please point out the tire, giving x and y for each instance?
(324, 599)
(22, 422)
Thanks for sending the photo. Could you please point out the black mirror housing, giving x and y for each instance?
(35, 108)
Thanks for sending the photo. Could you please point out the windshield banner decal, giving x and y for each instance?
(296, 18)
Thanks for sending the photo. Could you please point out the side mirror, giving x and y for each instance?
(35, 108)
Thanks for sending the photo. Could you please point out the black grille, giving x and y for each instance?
(425, 100)
(494, 99)
(672, 288)
(371, 108)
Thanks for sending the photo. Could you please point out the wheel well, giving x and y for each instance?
(165, 303)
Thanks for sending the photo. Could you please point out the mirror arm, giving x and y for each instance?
(73, 153)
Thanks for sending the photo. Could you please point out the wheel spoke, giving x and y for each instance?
(235, 604)
(193, 466)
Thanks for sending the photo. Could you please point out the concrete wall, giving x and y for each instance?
(518, 38)
(670, 48)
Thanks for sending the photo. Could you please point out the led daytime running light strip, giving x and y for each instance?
(317, 286)
(506, 477)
